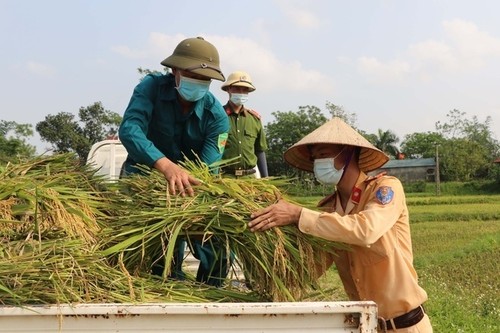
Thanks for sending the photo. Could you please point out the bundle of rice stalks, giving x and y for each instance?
(67, 236)
(50, 197)
(280, 264)
(50, 214)
(61, 271)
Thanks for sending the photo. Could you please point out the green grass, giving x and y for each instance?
(456, 245)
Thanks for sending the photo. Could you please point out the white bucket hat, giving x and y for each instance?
(335, 132)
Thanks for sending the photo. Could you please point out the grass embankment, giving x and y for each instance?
(457, 256)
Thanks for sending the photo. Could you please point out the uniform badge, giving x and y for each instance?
(384, 194)
(221, 142)
(356, 195)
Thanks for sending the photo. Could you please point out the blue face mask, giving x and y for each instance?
(191, 89)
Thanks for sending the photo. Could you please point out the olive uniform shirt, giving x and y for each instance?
(154, 126)
(379, 264)
(246, 138)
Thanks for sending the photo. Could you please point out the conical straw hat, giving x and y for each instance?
(335, 132)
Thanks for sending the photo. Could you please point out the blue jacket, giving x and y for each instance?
(153, 125)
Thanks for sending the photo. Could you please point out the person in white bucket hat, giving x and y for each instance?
(246, 139)
(368, 213)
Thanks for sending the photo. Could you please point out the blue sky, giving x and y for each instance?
(397, 64)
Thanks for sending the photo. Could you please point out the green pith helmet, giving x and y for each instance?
(198, 56)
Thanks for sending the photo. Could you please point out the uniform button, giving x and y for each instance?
(238, 131)
(239, 141)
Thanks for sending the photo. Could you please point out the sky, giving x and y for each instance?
(399, 65)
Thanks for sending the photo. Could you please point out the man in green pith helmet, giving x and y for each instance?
(247, 139)
(173, 117)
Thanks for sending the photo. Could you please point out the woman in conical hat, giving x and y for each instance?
(367, 213)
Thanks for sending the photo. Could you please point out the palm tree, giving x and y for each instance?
(386, 141)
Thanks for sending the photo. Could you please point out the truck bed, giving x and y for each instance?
(193, 317)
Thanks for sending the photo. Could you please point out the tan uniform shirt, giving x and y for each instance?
(379, 265)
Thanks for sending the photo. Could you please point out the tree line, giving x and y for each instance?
(466, 145)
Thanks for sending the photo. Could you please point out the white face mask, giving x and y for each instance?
(239, 99)
(325, 171)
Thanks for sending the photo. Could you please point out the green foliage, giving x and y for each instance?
(469, 147)
(146, 71)
(470, 188)
(69, 135)
(421, 145)
(418, 186)
(463, 159)
(288, 128)
(465, 147)
(13, 145)
(386, 141)
(339, 111)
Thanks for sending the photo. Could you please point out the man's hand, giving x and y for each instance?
(276, 215)
(179, 180)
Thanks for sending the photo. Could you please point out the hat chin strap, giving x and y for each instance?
(347, 164)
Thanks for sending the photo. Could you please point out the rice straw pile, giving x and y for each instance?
(68, 236)
(49, 196)
(279, 264)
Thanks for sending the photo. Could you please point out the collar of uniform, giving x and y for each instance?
(199, 106)
(355, 193)
(171, 92)
(326, 200)
(358, 189)
(230, 110)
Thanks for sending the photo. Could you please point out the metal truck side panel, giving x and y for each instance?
(193, 317)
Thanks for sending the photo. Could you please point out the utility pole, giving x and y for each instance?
(438, 181)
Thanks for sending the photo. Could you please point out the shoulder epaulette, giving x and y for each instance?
(378, 176)
(254, 113)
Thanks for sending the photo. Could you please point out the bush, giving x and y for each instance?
(416, 187)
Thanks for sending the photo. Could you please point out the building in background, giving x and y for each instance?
(411, 170)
